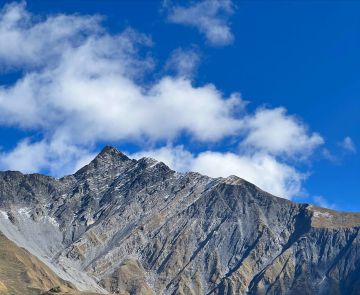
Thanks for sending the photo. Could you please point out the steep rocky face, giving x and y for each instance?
(137, 227)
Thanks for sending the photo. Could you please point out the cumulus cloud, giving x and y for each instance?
(88, 91)
(275, 132)
(210, 17)
(55, 157)
(348, 145)
(260, 168)
(20, 33)
(81, 85)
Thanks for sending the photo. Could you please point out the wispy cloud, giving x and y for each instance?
(344, 148)
(183, 62)
(348, 145)
(210, 17)
(328, 155)
(322, 202)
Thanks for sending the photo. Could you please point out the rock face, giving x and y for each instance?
(136, 227)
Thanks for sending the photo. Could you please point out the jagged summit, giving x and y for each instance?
(112, 153)
(109, 159)
(129, 226)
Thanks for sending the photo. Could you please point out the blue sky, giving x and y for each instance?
(266, 90)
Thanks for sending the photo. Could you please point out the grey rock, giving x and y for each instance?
(138, 227)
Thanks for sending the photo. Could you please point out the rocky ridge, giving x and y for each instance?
(129, 226)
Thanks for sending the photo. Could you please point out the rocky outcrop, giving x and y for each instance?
(137, 227)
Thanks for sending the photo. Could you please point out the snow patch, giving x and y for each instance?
(53, 221)
(25, 211)
(322, 214)
(4, 214)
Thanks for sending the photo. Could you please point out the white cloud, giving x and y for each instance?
(176, 157)
(348, 144)
(90, 90)
(83, 86)
(210, 17)
(55, 157)
(275, 132)
(330, 156)
(20, 33)
(25, 157)
(85, 109)
(183, 62)
(261, 169)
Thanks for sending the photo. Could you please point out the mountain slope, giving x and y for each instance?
(137, 227)
(22, 273)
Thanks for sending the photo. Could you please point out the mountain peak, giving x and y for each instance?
(108, 157)
(112, 152)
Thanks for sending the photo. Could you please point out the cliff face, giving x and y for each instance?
(137, 227)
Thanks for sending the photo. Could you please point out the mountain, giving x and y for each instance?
(128, 226)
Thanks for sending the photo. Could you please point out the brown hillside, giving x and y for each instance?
(23, 274)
